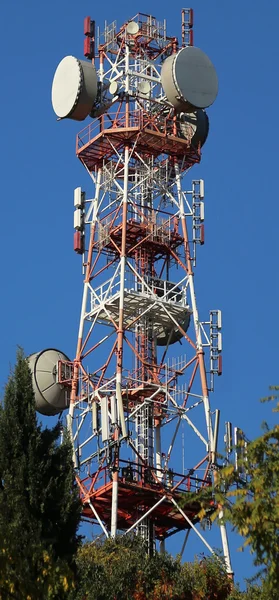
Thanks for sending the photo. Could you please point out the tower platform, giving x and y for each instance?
(136, 498)
(161, 305)
(104, 137)
(158, 238)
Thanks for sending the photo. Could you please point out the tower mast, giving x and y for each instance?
(145, 361)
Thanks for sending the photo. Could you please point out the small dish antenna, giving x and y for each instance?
(132, 28)
(144, 87)
(113, 88)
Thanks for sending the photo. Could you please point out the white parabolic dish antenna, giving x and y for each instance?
(113, 88)
(74, 88)
(144, 87)
(189, 79)
(132, 28)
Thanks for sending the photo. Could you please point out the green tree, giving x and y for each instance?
(251, 501)
(249, 497)
(39, 505)
(120, 569)
(253, 592)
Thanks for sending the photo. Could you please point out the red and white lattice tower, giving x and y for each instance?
(143, 432)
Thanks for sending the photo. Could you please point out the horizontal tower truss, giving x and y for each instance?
(139, 376)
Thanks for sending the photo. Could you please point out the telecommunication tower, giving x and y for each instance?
(137, 391)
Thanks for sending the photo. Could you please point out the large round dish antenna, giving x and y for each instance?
(172, 334)
(74, 88)
(189, 79)
(51, 397)
(193, 127)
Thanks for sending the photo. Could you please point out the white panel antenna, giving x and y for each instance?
(201, 189)
(78, 219)
(104, 419)
(79, 198)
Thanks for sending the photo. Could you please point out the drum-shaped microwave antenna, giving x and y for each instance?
(189, 79)
(51, 397)
(193, 127)
(74, 88)
(171, 335)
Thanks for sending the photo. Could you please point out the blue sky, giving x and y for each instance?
(238, 266)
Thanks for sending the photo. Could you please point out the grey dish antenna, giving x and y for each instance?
(51, 397)
(74, 88)
(189, 79)
(193, 126)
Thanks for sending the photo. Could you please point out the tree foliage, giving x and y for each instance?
(120, 569)
(249, 498)
(253, 592)
(251, 501)
(39, 506)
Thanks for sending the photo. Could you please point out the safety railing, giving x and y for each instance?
(137, 119)
(152, 477)
(148, 287)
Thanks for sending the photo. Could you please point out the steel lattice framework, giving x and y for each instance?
(132, 391)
